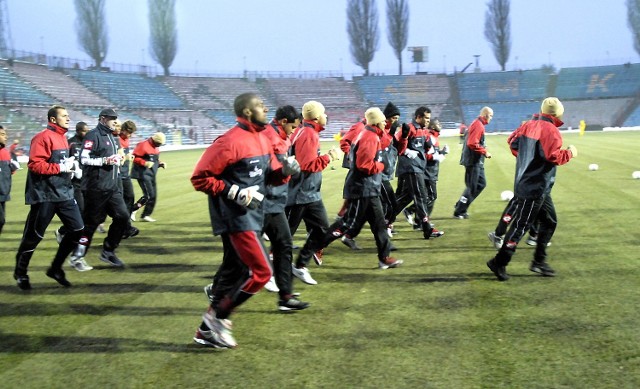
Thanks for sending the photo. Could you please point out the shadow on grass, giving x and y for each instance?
(133, 267)
(19, 343)
(113, 288)
(47, 309)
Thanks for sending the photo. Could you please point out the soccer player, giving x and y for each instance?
(539, 149)
(49, 192)
(234, 172)
(473, 155)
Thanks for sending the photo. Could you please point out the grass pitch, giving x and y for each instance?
(439, 321)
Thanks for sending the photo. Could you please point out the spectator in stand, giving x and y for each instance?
(410, 170)
(7, 168)
(49, 192)
(473, 155)
(234, 172)
(539, 152)
(304, 200)
(102, 189)
(146, 161)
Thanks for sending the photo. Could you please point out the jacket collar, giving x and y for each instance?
(549, 118)
(249, 126)
(315, 125)
(56, 128)
(278, 129)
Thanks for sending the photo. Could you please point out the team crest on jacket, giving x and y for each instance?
(88, 144)
(255, 172)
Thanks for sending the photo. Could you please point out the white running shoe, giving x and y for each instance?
(303, 274)
(220, 329)
(496, 240)
(148, 219)
(265, 237)
(58, 235)
(101, 229)
(271, 285)
(133, 216)
(79, 264)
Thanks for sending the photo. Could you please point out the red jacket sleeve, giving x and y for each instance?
(39, 155)
(212, 163)
(368, 147)
(306, 146)
(476, 130)
(552, 146)
(349, 137)
(143, 148)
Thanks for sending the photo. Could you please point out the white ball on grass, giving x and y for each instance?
(593, 167)
(636, 175)
(506, 195)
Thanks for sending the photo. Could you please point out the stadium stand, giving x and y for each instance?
(342, 102)
(55, 83)
(195, 110)
(598, 82)
(15, 91)
(129, 90)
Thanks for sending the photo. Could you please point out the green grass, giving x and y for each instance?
(439, 321)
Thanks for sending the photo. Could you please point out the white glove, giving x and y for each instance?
(333, 154)
(77, 170)
(438, 157)
(112, 160)
(574, 150)
(411, 154)
(290, 166)
(247, 197)
(15, 164)
(67, 165)
(445, 149)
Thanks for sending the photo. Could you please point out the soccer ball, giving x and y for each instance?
(593, 167)
(636, 174)
(506, 195)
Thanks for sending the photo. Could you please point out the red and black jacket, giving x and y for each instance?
(244, 157)
(474, 150)
(347, 141)
(275, 198)
(6, 170)
(125, 169)
(415, 141)
(304, 188)
(45, 182)
(539, 149)
(145, 151)
(364, 178)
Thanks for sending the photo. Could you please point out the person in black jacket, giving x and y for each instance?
(102, 189)
(539, 152)
(75, 145)
(49, 192)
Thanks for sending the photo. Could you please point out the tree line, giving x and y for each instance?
(362, 30)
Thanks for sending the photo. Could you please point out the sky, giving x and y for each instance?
(228, 37)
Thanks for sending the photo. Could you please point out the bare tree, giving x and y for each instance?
(633, 13)
(164, 37)
(497, 29)
(362, 27)
(398, 27)
(92, 29)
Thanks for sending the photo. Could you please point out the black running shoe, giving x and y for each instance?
(59, 276)
(292, 304)
(542, 268)
(499, 271)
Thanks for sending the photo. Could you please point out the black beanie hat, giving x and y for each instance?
(390, 110)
